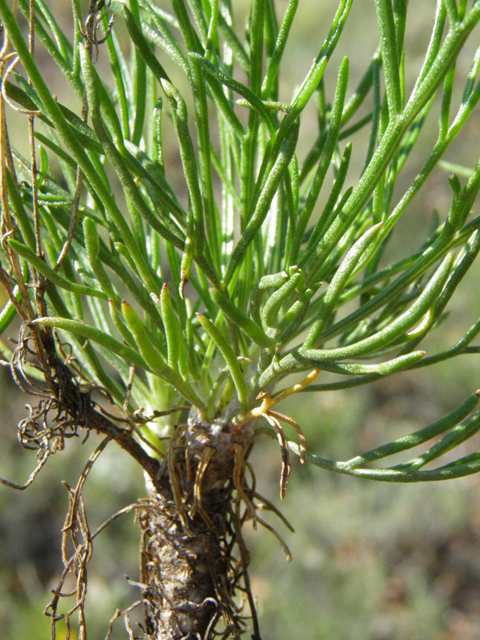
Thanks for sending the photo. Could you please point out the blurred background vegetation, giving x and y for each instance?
(370, 561)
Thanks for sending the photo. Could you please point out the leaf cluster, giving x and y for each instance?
(261, 262)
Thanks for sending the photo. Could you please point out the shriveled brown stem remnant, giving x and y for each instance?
(178, 569)
(189, 568)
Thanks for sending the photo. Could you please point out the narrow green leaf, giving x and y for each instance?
(276, 58)
(447, 472)
(331, 204)
(388, 45)
(325, 160)
(177, 351)
(143, 47)
(396, 328)
(40, 265)
(291, 321)
(359, 95)
(272, 307)
(92, 245)
(458, 434)
(80, 328)
(120, 325)
(257, 29)
(121, 74)
(238, 87)
(230, 358)
(339, 282)
(21, 217)
(139, 79)
(154, 359)
(249, 326)
(187, 153)
(418, 437)
(234, 43)
(264, 201)
(9, 313)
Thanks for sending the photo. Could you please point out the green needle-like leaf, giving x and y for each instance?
(419, 437)
(230, 358)
(155, 360)
(251, 328)
(80, 328)
(51, 274)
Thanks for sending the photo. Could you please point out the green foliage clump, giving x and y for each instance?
(204, 294)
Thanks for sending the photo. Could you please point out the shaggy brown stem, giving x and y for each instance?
(188, 565)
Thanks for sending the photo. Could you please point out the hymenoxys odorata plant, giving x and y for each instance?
(168, 317)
